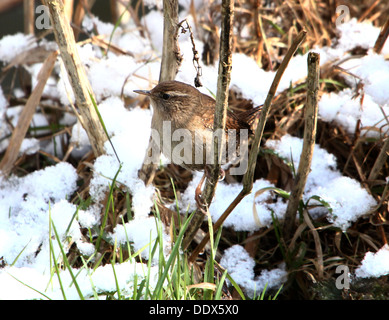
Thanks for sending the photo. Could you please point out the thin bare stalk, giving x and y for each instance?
(381, 160)
(77, 76)
(119, 11)
(68, 7)
(29, 16)
(379, 44)
(319, 250)
(248, 178)
(308, 144)
(368, 11)
(223, 84)
(79, 15)
(169, 63)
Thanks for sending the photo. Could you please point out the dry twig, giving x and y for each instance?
(79, 14)
(170, 63)
(381, 160)
(319, 250)
(224, 74)
(29, 18)
(249, 175)
(309, 142)
(379, 44)
(77, 76)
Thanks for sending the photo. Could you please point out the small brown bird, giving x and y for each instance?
(183, 117)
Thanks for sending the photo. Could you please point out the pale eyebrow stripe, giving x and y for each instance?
(177, 93)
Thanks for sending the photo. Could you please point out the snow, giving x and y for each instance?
(374, 264)
(345, 110)
(143, 233)
(240, 267)
(12, 45)
(28, 203)
(346, 197)
(3, 102)
(122, 124)
(29, 146)
(101, 280)
(12, 114)
(373, 70)
(24, 211)
(243, 217)
(353, 34)
(342, 110)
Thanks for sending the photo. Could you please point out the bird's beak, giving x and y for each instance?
(144, 92)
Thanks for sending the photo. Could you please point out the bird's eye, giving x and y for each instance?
(165, 96)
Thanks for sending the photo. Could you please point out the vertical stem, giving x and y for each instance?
(248, 178)
(68, 7)
(384, 33)
(223, 83)
(77, 76)
(120, 10)
(169, 63)
(249, 175)
(79, 15)
(28, 12)
(308, 145)
(380, 161)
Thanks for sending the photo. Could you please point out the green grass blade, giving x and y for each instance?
(25, 284)
(262, 296)
(54, 259)
(116, 281)
(85, 263)
(174, 252)
(130, 257)
(219, 289)
(103, 125)
(102, 227)
(277, 293)
(57, 271)
(66, 261)
(236, 286)
(71, 220)
(116, 26)
(17, 257)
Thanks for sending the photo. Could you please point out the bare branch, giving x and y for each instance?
(381, 160)
(77, 76)
(223, 83)
(169, 63)
(249, 175)
(380, 42)
(308, 145)
(29, 16)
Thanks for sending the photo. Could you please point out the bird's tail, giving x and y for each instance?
(251, 117)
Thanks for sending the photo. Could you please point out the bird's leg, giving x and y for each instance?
(198, 193)
(222, 174)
